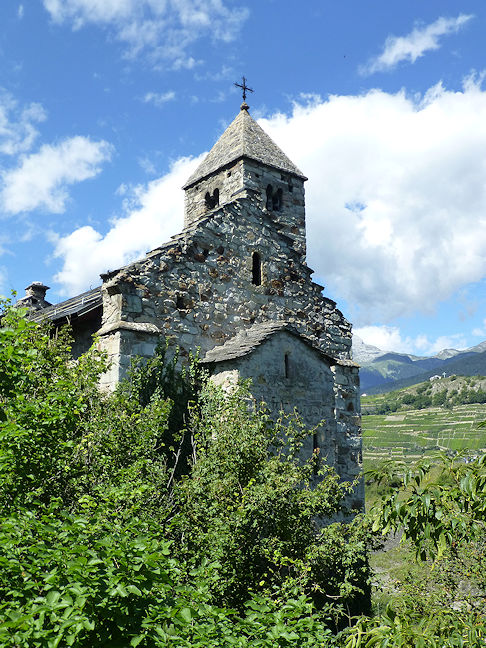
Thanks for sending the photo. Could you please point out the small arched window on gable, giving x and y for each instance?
(277, 200)
(256, 269)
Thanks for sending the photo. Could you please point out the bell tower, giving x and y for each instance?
(245, 163)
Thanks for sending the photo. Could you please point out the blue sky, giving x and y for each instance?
(106, 106)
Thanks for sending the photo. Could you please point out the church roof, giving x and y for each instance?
(247, 340)
(243, 138)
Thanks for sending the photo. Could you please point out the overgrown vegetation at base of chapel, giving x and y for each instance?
(169, 514)
(109, 537)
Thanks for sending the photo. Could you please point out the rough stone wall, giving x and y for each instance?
(325, 395)
(348, 458)
(244, 178)
(198, 290)
(306, 383)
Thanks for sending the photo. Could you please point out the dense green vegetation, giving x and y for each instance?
(151, 517)
(171, 514)
(440, 510)
(446, 392)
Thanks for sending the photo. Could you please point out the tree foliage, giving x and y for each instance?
(251, 505)
(163, 516)
(441, 509)
(101, 544)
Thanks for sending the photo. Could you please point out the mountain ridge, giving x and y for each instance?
(387, 370)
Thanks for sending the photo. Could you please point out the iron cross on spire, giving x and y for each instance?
(244, 87)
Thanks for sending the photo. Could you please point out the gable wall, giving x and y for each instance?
(198, 290)
(307, 384)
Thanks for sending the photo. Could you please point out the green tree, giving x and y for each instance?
(251, 505)
(97, 548)
(442, 512)
(45, 401)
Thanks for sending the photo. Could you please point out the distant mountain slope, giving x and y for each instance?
(388, 370)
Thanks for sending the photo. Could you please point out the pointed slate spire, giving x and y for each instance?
(243, 138)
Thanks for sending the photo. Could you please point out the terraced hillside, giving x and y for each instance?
(411, 434)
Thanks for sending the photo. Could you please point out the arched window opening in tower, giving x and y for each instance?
(212, 201)
(256, 269)
(287, 365)
(274, 199)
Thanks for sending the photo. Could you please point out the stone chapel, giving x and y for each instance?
(235, 284)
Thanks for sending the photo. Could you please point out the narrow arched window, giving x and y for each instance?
(256, 269)
(216, 197)
(277, 200)
(269, 197)
(287, 365)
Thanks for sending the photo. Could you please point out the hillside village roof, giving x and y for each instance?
(243, 138)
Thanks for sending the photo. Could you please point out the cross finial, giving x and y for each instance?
(244, 87)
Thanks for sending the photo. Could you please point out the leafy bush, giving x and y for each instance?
(441, 510)
(97, 547)
(251, 503)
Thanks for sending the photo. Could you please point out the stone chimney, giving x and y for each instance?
(35, 296)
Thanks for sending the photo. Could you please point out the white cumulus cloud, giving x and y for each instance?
(164, 29)
(390, 338)
(414, 45)
(18, 129)
(151, 216)
(41, 179)
(396, 197)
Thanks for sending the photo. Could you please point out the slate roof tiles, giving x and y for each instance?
(243, 138)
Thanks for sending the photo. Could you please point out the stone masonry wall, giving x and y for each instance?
(244, 178)
(325, 395)
(307, 383)
(198, 290)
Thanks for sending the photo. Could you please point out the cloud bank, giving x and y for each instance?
(396, 200)
(152, 214)
(396, 197)
(162, 29)
(42, 178)
(414, 45)
(390, 338)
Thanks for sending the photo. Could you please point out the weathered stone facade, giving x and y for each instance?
(235, 284)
